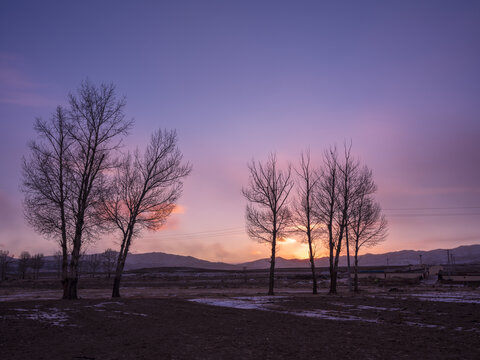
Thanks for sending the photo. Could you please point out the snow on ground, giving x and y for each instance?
(377, 308)
(457, 296)
(412, 323)
(271, 303)
(267, 303)
(129, 313)
(52, 316)
(245, 302)
(44, 295)
(329, 315)
(103, 304)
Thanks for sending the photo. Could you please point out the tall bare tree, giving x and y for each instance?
(98, 120)
(304, 221)
(144, 192)
(349, 187)
(333, 200)
(367, 224)
(267, 213)
(45, 183)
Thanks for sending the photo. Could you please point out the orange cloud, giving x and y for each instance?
(178, 209)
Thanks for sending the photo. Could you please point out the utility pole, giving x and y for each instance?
(420, 259)
(448, 257)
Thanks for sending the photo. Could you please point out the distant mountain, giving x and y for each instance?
(279, 263)
(461, 255)
(159, 259)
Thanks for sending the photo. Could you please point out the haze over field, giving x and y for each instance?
(241, 79)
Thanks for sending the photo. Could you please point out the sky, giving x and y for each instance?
(241, 79)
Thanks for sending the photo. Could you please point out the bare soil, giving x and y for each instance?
(164, 323)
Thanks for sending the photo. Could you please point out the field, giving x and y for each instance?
(184, 314)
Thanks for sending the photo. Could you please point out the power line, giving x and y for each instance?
(432, 215)
(218, 230)
(434, 208)
(180, 237)
(231, 231)
(209, 233)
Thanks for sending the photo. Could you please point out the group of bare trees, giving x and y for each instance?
(334, 204)
(92, 263)
(24, 262)
(77, 185)
(5, 260)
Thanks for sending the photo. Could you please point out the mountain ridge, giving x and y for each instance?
(464, 254)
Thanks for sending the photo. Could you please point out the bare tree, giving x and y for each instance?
(5, 260)
(109, 257)
(93, 262)
(349, 186)
(333, 200)
(97, 122)
(45, 183)
(144, 192)
(267, 213)
(64, 178)
(37, 262)
(24, 262)
(303, 216)
(368, 225)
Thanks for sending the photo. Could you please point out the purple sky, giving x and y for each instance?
(239, 79)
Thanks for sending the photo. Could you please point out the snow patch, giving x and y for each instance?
(411, 323)
(232, 303)
(367, 307)
(52, 316)
(108, 303)
(457, 297)
(330, 315)
(266, 303)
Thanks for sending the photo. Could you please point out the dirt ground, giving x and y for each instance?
(240, 323)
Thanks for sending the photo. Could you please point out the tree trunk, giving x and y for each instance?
(333, 281)
(118, 276)
(71, 288)
(122, 257)
(272, 266)
(72, 277)
(355, 280)
(312, 265)
(348, 262)
(64, 271)
(116, 286)
(334, 271)
(333, 275)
